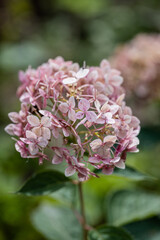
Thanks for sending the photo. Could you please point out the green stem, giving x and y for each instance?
(82, 211)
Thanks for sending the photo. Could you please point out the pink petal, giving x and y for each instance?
(110, 121)
(63, 107)
(105, 107)
(79, 115)
(99, 86)
(97, 105)
(82, 73)
(83, 105)
(110, 139)
(79, 142)
(57, 151)
(45, 113)
(127, 111)
(33, 120)
(55, 132)
(82, 177)
(120, 164)
(46, 121)
(22, 76)
(109, 118)
(25, 98)
(100, 121)
(92, 76)
(81, 169)
(134, 122)
(74, 67)
(10, 129)
(71, 102)
(105, 64)
(42, 142)
(75, 160)
(72, 115)
(17, 147)
(115, 160)
(102, 98)
(108, 170)
(65, 132)
(127, 118)
(122, 133)
(94, 160)
(91, 116)
(107, 78)
(37, 131)
(20, 147)
(70, 171)
(110, 88)
(116, 80)
(14, 117)
(108, 115)
(95, 144)
(103, 151)
(46, 133)
(33, 149)
(56, 159)
(30, 135)
(120, 99)
(25, 140)
(133, 149)
(114, 108)
(17, 129)
(133, 143)
(69, 80)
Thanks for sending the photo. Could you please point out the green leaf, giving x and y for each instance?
(147, 229)
(109, 233)
(56, 223)
(147, 160)
(131, 174)
(125, 206)
(44, 183)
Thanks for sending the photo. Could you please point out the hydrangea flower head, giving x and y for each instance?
(78, 113)
(139, 62)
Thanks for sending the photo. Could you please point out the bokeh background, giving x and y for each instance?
(31, 32)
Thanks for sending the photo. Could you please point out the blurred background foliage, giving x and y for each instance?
(31, 31)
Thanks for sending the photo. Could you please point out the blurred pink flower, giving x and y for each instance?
(139, 62)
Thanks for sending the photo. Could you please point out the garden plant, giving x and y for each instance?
(77, 119)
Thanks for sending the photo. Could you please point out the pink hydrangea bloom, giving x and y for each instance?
(74, 112)
(139, 61)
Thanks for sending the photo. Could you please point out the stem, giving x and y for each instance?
(82, 211)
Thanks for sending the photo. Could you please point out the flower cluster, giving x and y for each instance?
(139, 63)
(77, 115)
